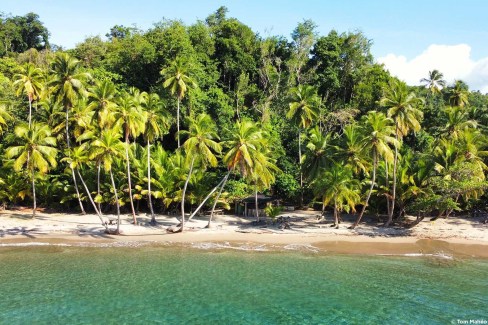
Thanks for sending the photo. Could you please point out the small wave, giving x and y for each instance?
(227, 245)
(436, 255)
(302, 247)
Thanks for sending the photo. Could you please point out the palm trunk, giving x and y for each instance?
(99, 214)
(387, 178)
(183, 195)
(205, 199)
(393, 194)
(336, 214)
(128, 178)
(69, 154)
(178, 122)
(116, 202)
(99, 166)
(149, 198)
(33, 193)
(77, 192)
(300, 166)
(373, 179)
(224, 181)
(30, 112)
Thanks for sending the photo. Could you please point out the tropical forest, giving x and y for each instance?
(183, 117)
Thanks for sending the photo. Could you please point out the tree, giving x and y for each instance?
(29, 82)
(67, 85)
(200, 146)
(459, 94)
(132, 120)
(157, 124)
(378, 134)
(434, 82)
(318, 153)
(303, 109)
(101, 99)
(403, 108)
(178, 79)
(37, 151)
(337, 186)
(107, 149)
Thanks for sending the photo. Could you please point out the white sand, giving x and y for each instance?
(468, 235)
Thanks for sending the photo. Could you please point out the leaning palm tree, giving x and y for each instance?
(36, 151)
(157, 124)
(434, 82)
(29, 82)
(107, 148)
(201, 146)
(378, 134)
(132, 120)
(338, 186)
(178, 79)
(403, 108)
(67, 85)
(303, 109)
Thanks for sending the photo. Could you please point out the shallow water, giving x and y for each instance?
(185, 285)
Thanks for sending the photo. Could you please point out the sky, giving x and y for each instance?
(410, 37)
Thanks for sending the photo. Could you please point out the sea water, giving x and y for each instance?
(207, 285)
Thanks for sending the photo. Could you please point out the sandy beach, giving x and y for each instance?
(453, 236)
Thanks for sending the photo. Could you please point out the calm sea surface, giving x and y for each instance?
(183, 285)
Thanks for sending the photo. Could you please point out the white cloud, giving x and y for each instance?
(454, 61)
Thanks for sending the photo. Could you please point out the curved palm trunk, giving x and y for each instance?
(33, 194)
(69, 154)
(205, 199)
(116, 202)
(224, 181)
(183, 195)
(99, 214)
(178, 122)
(149, 198)
(128, 178)
(393, 195)
(373, 179)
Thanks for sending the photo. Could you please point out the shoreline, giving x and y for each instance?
(456, 237)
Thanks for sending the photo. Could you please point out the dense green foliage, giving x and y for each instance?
(166, 115)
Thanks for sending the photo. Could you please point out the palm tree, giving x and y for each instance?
(434, 82)
(132, 120)
(178, 79)
(29, 82)
(67, 85)
(157, 124)
(352, 149)
(337, 186)
(303, 109)
(459, 94)
(101, 99)
(457, 122)
(378, 134)
(199, 145)
(402, 107)
(318, 153)
(37, 151)
(107, 149)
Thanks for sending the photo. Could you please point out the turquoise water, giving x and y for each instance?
(181, 285)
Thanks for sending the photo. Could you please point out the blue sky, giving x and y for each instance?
(403, 32)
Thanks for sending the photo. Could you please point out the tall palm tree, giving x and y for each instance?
(303, 109)
(157, 124)
(459, 94)
(67, 85)
(378, 133)
(107, 149)
(352, 149)
(200, 146)
(317, 154)
(29, 82)
(178, 79)
(245, 141)
(36, 151)
(338, 186)
(402, 107)
(434, 82)
(132, 120)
